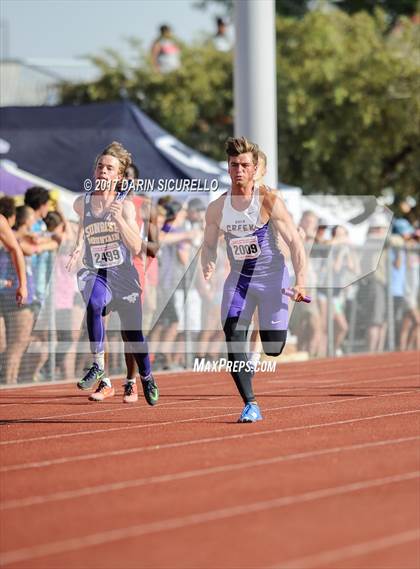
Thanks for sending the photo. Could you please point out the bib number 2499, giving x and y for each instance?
(106, 256)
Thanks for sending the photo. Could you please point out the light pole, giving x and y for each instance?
(255, 89)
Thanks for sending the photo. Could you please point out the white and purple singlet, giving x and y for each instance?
(258, 269)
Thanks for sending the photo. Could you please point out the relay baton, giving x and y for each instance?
(120, 197)
(289, 292)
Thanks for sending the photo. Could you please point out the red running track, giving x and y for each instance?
(329, 479)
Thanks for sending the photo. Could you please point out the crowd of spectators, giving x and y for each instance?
(364, 284)
(180, 309)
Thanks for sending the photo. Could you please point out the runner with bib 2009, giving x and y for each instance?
(254, 222)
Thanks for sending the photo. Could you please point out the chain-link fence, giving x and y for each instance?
(360, 309)
(364, 299)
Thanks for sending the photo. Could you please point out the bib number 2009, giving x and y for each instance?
(245, 248)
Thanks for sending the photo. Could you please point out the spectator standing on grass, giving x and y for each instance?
(32, 247)
(165, 53)
(38, 199)
(13, 276)
(306, 318)
(19, 321)
(345, 264)
(65, 287)
(212, 338)
(402, 231)
(322, 249)
(372, 289)
(173, 257)
(410, 327)
(8, 241)
(189, 305)
(222, 40)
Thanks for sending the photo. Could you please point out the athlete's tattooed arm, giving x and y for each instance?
(211, 237)
(124, 215)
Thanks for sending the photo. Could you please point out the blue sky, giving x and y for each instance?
(70, 28)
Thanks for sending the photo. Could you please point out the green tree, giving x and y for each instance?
(193, 103)
(298, 8)
(349, 106)
(293, 8)
(348, 100)
(394, 8)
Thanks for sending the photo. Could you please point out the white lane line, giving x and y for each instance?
(296, 374)
(22, 421)
(52, 400)
(143, 426)
(111, 536)
(286, 375)
(124, 407)
(212, 406)
(84, 397)
(57, 384)
(178, 421)
(122, 452)
(124, 485)
(332, 556)
(81, 396)
(349, 382)
(118, 381)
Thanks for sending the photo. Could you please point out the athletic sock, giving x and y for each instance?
(107, 381)
(130, 380)
(147, 378)
(99, 359)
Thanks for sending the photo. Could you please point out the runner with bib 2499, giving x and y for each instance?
(109, 280)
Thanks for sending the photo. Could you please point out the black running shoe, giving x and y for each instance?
(94, 374)
(150, 390)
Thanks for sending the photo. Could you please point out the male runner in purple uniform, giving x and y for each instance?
(109, 280)
(250, 217)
